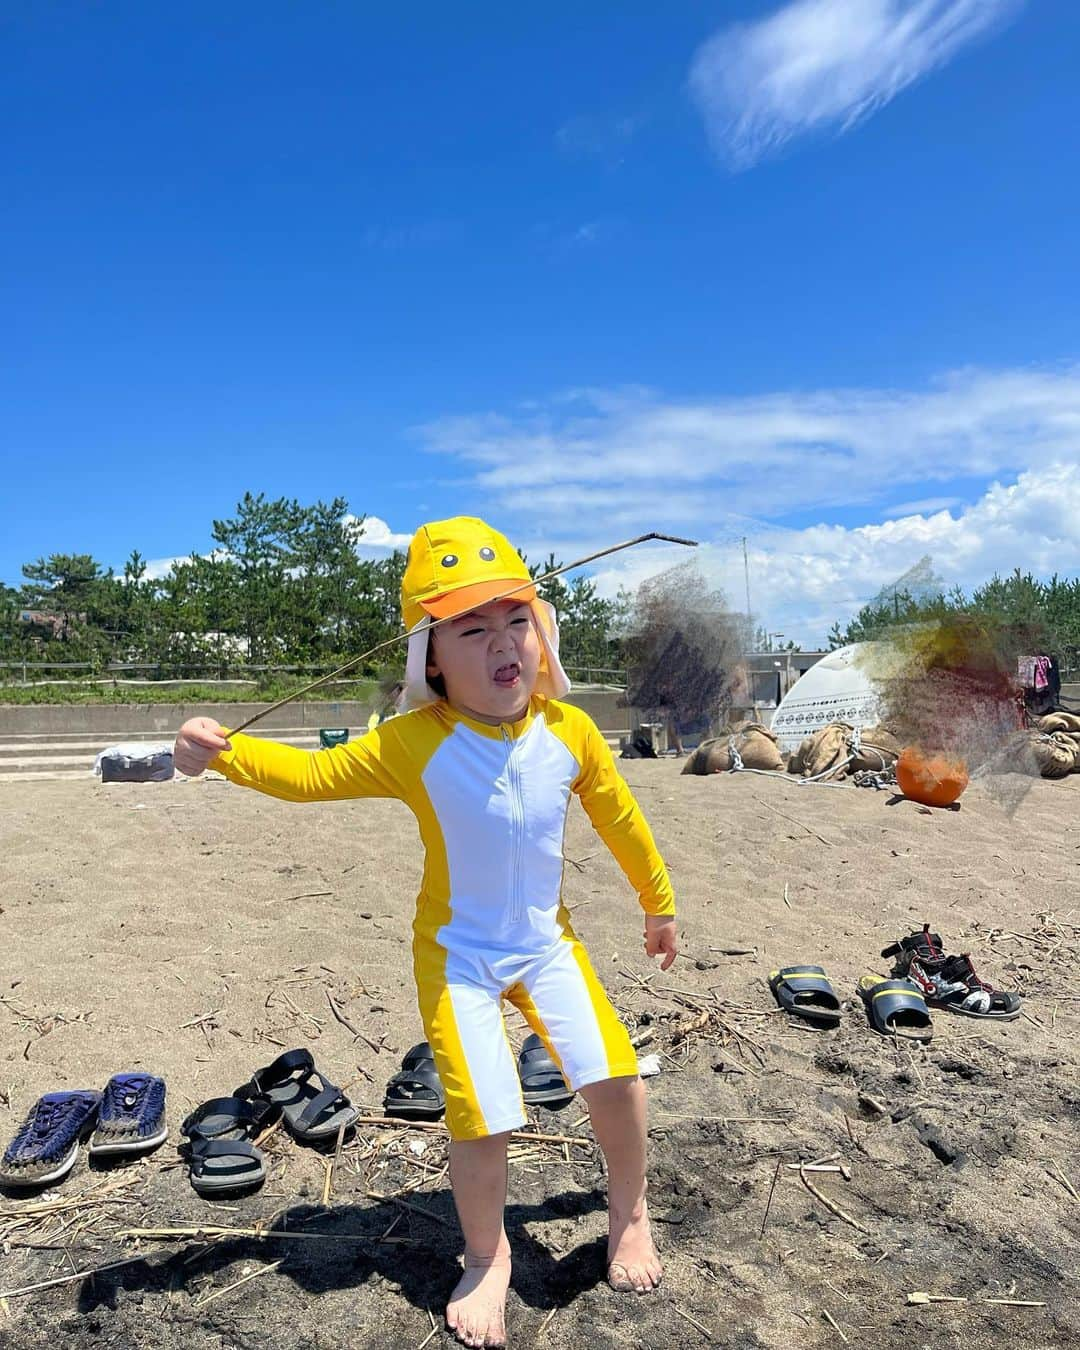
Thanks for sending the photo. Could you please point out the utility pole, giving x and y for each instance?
(746, 569)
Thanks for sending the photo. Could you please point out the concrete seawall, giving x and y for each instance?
(62, 740)
(163, 719)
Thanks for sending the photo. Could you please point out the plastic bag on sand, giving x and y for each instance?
(135, 762)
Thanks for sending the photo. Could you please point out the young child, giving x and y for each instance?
(487, 759)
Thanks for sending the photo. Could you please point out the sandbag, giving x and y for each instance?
(711, 756)
(1055, 755)
(828, 749)
(1060, 721)
(878, 750)
(798, 758)
(756, 746)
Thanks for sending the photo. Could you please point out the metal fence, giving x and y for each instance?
(27, 673)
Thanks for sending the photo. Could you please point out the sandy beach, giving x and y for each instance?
(196, 930)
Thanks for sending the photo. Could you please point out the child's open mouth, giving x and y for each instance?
(507, 676)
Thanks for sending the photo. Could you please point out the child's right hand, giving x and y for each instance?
(198, 741)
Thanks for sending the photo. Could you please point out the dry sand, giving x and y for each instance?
(129, 911)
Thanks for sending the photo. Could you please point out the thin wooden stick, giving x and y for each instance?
(244, 1279)
(546, 1322)
(347, 1024)
(829, 1318)
(331, 1165)
(768, 1202)
(534, 1136)
(68, 1279)
(728, 1120)
(406, 1204)
(831, 1205)
(212, 1231)
(800, 823)
(505, 595)
(1065, 1180)
(693, 1322)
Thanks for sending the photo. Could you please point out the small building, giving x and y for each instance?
(764, 679)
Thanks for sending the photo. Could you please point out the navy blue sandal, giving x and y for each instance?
(132, 1116)
(47, 1142)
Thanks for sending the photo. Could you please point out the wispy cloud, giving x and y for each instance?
(561, 239)
(927, 506)
(638, 451)
(626, 461)
(599, 135)
(415, 235)
(814, 65)
(803, 581)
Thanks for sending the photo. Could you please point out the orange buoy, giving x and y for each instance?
(934, 780)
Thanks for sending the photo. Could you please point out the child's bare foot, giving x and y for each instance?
(476, 1313)
(633, 1265)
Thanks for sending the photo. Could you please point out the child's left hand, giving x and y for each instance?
(661, 938)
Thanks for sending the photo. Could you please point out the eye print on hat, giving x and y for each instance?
(449, 559)
(488, 554)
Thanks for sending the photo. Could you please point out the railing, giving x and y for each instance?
(202, 672)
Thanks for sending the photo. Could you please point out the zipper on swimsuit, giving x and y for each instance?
(517, 814)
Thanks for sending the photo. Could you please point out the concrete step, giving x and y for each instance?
(104, 738)
(78, 758)
(13, 748)
(37, 775)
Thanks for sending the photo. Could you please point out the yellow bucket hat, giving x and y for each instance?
(456, 565)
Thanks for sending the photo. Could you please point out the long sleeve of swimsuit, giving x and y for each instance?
(371, 766)
(619, 822)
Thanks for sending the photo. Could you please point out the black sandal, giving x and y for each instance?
(542, 1082)
(314, 1109)
(416, 1092)
(221, 1158)
(805, 991)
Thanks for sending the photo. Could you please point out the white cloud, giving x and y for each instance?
(598, 134)
(158, 568)
(377, 540)
(638, 457)
(925, 507)
(595, 466)
(818, 64)
(802, 581)
(378, 537)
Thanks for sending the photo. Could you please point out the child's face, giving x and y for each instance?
(489, 660)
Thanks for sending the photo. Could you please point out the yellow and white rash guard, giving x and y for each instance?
(491, 802)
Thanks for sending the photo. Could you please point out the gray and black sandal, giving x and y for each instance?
(415, 1092)
(542, 1082)
(896, 1008)
(221, 1158)
(314, 1109)
(806, 992)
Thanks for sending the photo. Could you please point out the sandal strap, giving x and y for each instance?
(272, 1075)
(223, 1148)
(239, 1113)
(321, 1104)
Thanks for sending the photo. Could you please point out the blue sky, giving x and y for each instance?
(801, 272)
